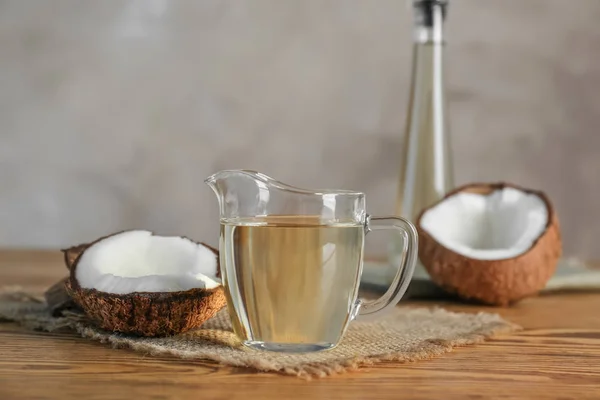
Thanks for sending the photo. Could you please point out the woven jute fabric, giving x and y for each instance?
(405, 334)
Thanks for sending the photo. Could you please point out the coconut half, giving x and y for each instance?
(495, 243)
(139, 283)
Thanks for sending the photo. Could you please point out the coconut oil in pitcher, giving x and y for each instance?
(281, 269)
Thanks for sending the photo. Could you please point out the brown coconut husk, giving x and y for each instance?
(143, 313)
(494, 282)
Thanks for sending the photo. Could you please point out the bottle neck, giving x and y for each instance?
(428, 52)
(429, 18)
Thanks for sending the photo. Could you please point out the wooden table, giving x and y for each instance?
(557, 356)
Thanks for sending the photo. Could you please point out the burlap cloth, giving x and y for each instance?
(405, 334)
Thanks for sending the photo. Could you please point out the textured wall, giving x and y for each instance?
(112, 112)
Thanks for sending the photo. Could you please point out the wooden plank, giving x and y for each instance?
(558, 356)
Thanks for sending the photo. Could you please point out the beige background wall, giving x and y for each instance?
(112, 112)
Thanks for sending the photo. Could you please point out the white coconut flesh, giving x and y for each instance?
(500, 225)
(138, 261)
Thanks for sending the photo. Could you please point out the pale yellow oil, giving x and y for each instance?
(426, 173)
(290, 279)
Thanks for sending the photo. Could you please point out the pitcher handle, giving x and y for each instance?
(374, 308)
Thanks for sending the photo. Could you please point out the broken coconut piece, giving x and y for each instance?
(495, 243)
(58, 300)
(139, 283)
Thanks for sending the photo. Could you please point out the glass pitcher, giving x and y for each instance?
(291, 261)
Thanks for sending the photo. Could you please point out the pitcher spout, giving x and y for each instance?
(251, 194)
(241, 193)
(233, 180)
(232, 173)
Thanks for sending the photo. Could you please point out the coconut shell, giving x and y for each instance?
(149, 314)
(58, 300)
(143, 313)
(494, 282)
(72, 253)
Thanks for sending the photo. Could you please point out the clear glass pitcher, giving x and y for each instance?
(291, 261)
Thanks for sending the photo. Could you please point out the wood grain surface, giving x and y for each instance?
(557, 356)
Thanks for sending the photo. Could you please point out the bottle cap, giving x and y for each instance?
(425, 11)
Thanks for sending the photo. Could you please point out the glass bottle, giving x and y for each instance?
(426, 173)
